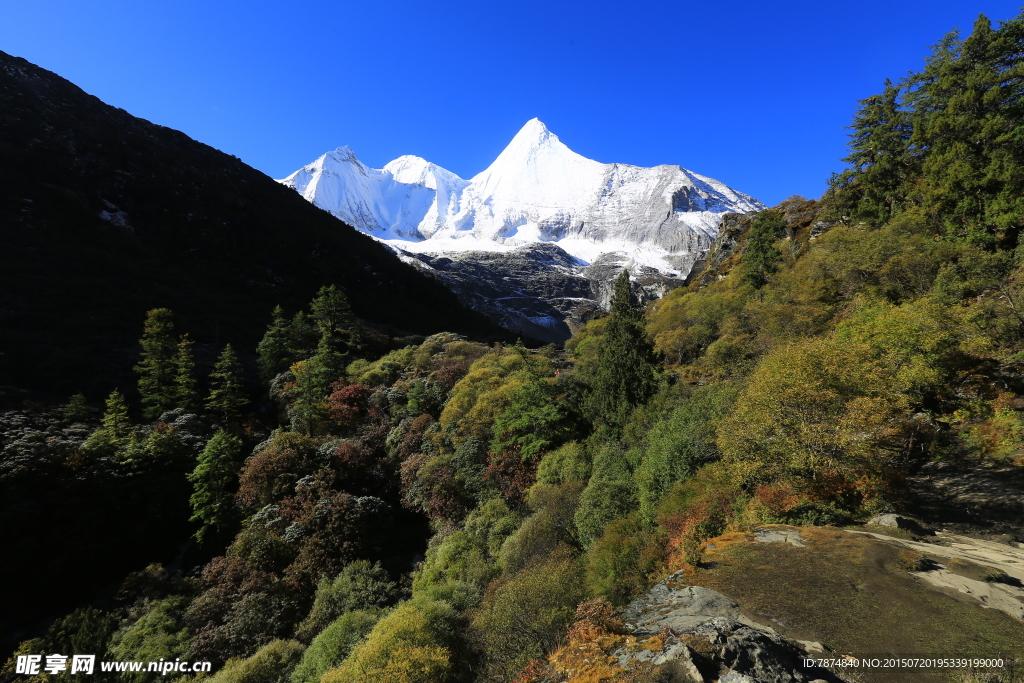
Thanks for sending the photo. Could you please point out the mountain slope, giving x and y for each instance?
(104, 215)
(602, 217)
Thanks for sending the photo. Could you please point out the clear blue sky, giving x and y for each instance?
(755, 94)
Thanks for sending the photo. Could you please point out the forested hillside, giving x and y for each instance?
(442, 509)
(104, 216)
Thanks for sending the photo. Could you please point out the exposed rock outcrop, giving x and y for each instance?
(706, 637)
(539, 291)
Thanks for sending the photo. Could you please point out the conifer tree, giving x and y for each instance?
(185, 381)
(302, 337)
(273, 354)
(330, 310)
(946, 142)
(969, 98)
(227, 394)
(881, 159)
(212, 480)
(115, 428)
(626, 372)
(761, 256)
(315, 376)
(115, 417)
(77, 409)
(156, 369)
(326, 367)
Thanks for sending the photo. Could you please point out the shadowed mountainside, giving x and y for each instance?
(104, 215)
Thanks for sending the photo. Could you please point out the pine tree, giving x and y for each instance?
(881, 158)
(272, 352)
(156, 369)
(77, 409)
(970, 97)
(761, 256)
(185, 381)
(301, 337)
(946, 143)
(227, 394)
(330, 310)
(115, 430)
(212, 480)
(315, 377)
(626, 372)
(115, 417)
(327, 366)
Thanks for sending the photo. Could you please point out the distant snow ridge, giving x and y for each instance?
(537, 190)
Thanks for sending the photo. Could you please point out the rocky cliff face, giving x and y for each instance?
(539, 291)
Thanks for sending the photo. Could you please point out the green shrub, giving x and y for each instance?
(626, 560)
(360, 586)
(567, 463)
(272, 663)
(333, 644)
(525, 616)
(412, 644)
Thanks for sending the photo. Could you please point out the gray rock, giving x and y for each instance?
(541, 292)
(734, 677)
(745, 651)
(820, 228)
(896, 522)
(775, 535)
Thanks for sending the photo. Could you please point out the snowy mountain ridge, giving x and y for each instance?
(534, 240)
(537, 190)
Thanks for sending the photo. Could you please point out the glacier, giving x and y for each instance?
(656, 221)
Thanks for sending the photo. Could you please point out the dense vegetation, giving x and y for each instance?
(837, 348)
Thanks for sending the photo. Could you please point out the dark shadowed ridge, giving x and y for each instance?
(104, 216)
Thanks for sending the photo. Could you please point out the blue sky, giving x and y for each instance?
(755, 94)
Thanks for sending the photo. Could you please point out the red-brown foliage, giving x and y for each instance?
(224, 581)
(270, 475)
(449, 374)
(511, 474)
(409, 474)
(704, 518)
(350, 405)
(332, 535)
(595, 617)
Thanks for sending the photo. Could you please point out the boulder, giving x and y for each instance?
(705, 637)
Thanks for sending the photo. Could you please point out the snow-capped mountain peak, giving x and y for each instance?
(657, 220)
(536, 169)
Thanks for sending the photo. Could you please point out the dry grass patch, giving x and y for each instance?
(854, 594)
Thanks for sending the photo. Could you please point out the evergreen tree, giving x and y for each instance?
(947, 142)
(156, 369)
(326, 367)
(115, 428)
(330, 310)
(273, 353)
(315, 377)
(115, 418)
(301, 337)
(881, 158)
(77, 409)
(185, 382)
(969, 98)
(212, 481)
(227, 394)
(761, 256)
(625, 375)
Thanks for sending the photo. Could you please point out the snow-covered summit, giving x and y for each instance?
(537, 190)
